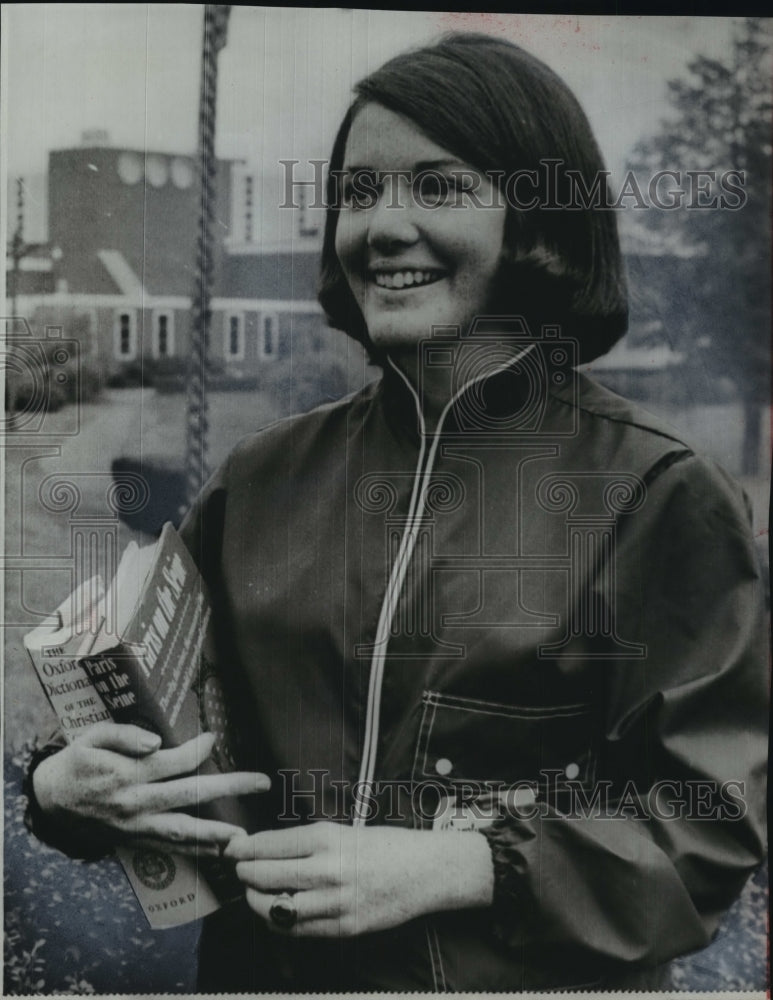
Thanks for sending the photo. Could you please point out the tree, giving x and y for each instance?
(722, 127)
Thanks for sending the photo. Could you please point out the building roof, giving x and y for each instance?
(276, 276)
(279, 274)
(121, 274)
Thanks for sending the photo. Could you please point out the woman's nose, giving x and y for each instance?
(391, 221)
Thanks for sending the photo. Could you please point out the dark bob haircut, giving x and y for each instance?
(500, 109)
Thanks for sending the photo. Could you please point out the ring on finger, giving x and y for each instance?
(283, 911)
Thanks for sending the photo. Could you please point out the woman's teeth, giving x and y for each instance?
(404, 279)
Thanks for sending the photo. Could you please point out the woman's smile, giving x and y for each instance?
(413, 263)
(404, 278)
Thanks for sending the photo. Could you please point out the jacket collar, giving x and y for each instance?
(499, 386)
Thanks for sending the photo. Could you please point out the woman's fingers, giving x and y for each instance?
(279, 876)
(297, 842)
(320, 913)
(178, 831)
(150, 765)
(188, 757)
(134, 741)
(184, 792)
(116, 776)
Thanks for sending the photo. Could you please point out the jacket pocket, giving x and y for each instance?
(486, 742)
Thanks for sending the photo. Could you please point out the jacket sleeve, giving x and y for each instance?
(201, 529)
(82, 843)
(646, 875)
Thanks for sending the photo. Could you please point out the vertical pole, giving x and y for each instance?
(197, 425)
(17, 252)
(17, 245)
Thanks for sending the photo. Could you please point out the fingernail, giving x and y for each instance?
(150, 741)
(231, 850)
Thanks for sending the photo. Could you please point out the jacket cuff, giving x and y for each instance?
(76, 842)
(509, 903)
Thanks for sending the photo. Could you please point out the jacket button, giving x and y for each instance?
(572, 770)
(443, 766)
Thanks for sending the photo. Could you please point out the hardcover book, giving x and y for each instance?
(140, 652)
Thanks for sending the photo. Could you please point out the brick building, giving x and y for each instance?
(121, 253)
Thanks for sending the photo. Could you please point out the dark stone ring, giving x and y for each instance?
(283, 912)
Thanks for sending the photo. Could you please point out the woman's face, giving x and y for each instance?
(412, 266)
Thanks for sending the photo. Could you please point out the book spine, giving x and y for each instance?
(117, 676)
(170, 681)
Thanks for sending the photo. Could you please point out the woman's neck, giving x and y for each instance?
(436, 386)
(431, 385)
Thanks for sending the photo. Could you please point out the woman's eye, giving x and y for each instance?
(360, 190)
(432, 189)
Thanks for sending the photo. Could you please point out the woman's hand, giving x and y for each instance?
(113, 778)
(350, 880)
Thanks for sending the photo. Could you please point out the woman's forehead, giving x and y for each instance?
(380, 138)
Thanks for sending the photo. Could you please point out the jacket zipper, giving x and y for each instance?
(391, 597)
(424, 468)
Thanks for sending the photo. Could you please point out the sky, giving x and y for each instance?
(286, 73)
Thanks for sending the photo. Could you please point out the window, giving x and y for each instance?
(248, 232)
(163, 333)
(233, 347)
(268, 344)
(125, 335)
(162, 336)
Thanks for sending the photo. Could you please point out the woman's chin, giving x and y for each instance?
(395, 341)
(399, 336)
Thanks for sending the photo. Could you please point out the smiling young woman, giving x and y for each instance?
(487, 109)
(487, 627)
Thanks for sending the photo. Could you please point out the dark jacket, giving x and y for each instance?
(557, 594)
